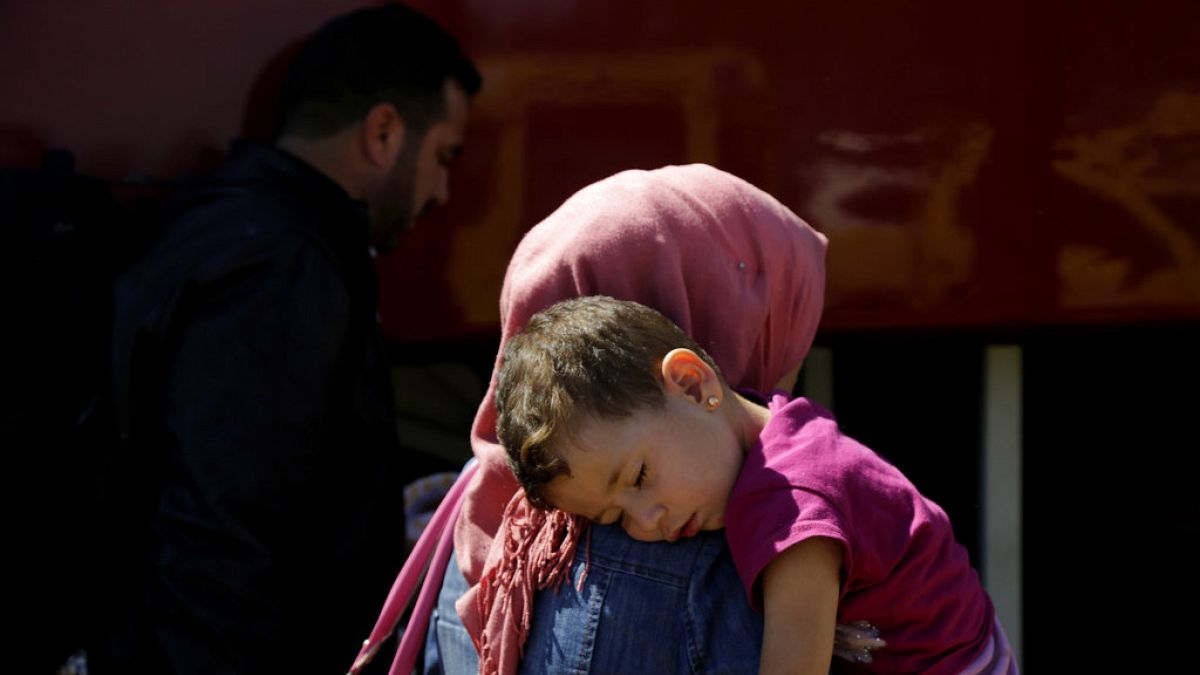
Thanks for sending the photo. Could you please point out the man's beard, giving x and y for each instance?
(394, 215)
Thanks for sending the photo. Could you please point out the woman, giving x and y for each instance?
(745, 277)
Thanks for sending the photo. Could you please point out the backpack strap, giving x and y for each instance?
(436, 539)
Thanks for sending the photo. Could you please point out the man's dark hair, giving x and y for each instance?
(591, 357)
(391, 54)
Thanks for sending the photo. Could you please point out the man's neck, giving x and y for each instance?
(332, 156)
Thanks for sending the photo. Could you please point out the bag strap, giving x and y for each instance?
(438, 539)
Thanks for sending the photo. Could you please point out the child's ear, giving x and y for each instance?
(684, 372)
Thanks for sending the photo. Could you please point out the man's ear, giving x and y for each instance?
(382, 135)
(684, 372)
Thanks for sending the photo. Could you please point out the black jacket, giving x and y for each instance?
(259, 460)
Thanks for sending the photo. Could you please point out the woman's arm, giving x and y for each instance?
(800, 591)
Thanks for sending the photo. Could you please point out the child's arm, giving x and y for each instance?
(800, 591)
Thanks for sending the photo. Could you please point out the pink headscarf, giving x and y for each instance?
(726, 261)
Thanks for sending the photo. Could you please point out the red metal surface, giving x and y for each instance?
(986, 164)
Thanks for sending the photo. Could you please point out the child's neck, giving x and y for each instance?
(749, 420)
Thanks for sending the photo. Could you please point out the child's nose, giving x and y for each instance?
(643, 523)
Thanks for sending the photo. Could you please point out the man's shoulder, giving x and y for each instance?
(245, 220)
(230, 233)
(241, 205)
(233, 221)
(261, 185)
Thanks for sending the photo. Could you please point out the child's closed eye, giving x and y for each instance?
(641, 477)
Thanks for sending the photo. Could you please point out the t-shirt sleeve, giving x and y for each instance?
(764, 522)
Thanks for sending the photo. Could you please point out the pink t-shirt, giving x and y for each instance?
(902, 569)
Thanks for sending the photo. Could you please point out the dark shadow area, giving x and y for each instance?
(915, 399)
(66, 237)
(1112, 517)
(438, 389)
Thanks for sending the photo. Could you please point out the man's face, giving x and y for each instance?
(662, 474)
(420, 178)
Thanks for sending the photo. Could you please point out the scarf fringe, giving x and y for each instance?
(538, 548)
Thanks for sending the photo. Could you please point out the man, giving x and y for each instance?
(262, 472)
